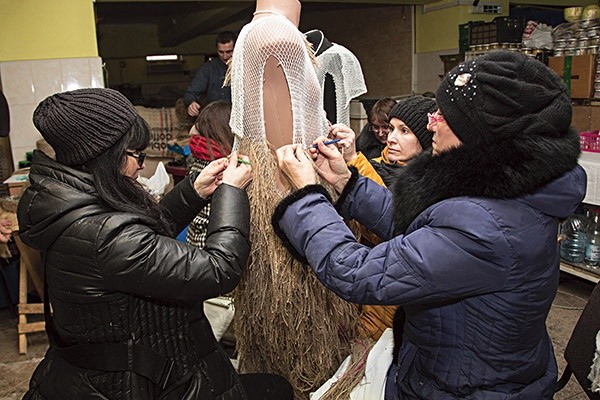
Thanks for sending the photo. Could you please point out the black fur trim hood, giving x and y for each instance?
(509, 168)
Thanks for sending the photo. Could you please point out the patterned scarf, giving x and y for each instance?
(199, 148)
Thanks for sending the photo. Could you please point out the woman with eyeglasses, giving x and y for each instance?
(470, 232)
(372, 138)
(126, 297)
(407, 138)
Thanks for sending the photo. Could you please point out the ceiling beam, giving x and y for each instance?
(181, 29)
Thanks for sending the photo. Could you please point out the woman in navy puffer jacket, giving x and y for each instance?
(471, 252)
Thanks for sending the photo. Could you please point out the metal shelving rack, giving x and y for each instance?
(591, 163)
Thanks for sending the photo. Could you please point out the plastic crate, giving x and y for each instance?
(590, 141)
(500, 30)
(481, 33)
(510, 29)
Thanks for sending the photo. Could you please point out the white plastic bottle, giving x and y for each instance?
(592, 247)
(574, 238)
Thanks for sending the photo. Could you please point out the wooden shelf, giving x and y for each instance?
(591, 163)
(581, 271)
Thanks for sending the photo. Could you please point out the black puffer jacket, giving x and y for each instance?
(112, 279)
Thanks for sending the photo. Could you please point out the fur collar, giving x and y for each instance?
(509, 168)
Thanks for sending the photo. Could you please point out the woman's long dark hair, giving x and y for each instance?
(213, 123)
(121, 192)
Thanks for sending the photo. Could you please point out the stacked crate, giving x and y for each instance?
(502, 32)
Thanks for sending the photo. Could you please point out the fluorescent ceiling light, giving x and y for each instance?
(165, 57)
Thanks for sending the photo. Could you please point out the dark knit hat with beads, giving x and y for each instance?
(503, 94)
(413, 112)
(81, 124)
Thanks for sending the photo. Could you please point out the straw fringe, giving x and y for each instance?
(286, 321)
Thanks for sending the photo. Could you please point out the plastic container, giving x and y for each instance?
(590, 140)
(574, 238)
(573, 13)
(591, 12)
(592, 247)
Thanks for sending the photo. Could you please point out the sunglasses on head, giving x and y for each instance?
(140, 157)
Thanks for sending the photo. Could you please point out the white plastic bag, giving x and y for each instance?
(372, 385)
(157, 183)
(219, 312)
(538, 36)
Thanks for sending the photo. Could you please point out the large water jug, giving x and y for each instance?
(592, 248)
(574, 238)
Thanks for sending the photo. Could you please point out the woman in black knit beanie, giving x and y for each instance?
(127, 320)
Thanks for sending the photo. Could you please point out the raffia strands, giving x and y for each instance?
(286, 321)
(355, 372)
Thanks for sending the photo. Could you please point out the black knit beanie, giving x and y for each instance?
(413, 112)
(501, 95)
(81, 124)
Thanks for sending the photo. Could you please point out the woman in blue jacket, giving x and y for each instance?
(471, 251)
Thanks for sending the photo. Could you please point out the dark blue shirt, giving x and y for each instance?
(208, 80)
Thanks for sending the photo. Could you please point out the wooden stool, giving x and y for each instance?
(30, 268)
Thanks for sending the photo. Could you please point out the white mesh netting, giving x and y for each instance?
(276, 36)
(344, 68)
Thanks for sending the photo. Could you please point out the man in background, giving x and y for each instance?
(209, 78)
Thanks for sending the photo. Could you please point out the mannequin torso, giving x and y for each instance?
(277, 100)
(276, 93)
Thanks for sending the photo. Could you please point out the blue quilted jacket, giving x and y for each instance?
(476, 275)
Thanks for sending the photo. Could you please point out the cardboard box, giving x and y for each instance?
(578, 73)
(586, 118)
(594, 118)
(582, 118)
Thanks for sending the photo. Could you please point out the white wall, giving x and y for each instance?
(428, 68)
(26, 83)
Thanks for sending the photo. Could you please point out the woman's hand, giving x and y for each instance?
(347, 140)
(5, 230)
(224, 170)
(330, 164)
(210, 177)
(296, 166)
(238, 174)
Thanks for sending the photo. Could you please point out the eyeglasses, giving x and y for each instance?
(382, 129)
(140, 157)
(435, 117)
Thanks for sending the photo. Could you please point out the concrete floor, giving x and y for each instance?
(15, 369)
